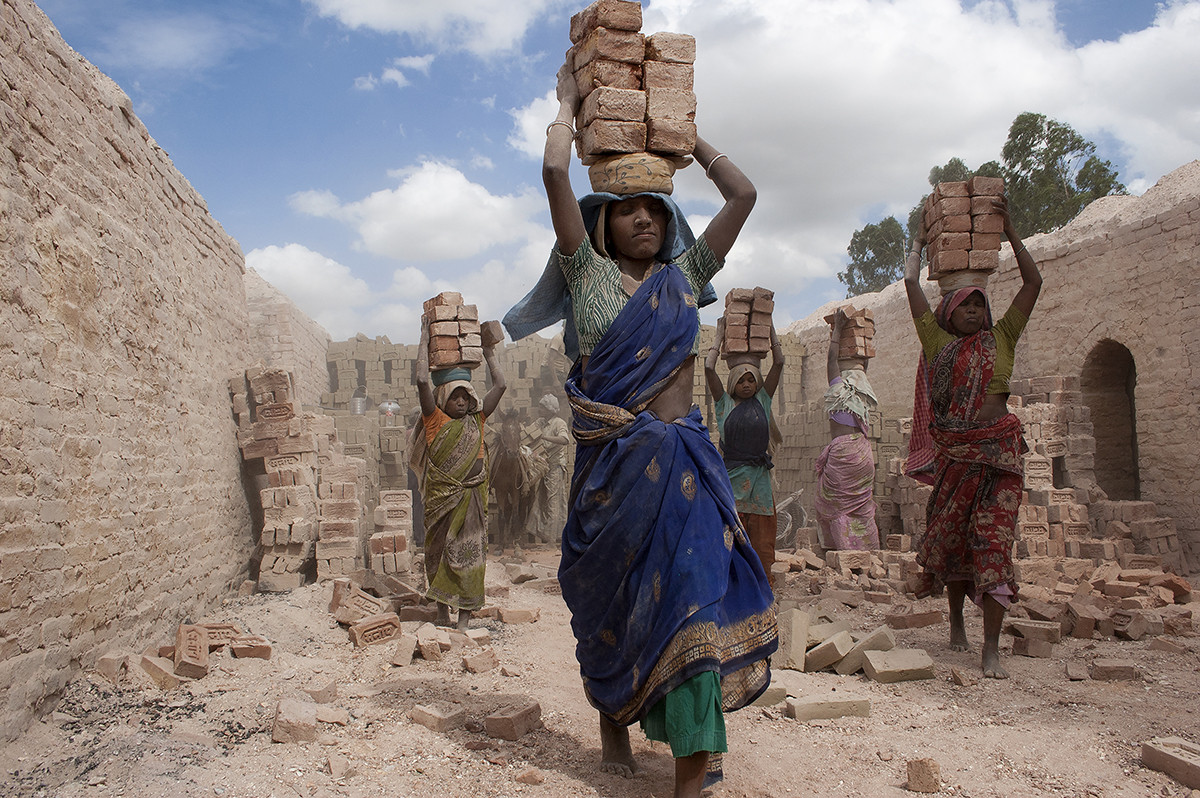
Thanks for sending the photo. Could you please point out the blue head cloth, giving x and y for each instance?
(443, 376)
(550, 302)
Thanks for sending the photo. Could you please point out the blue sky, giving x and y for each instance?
(367, 154)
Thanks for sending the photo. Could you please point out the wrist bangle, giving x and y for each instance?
(565, 124)
(708, 169)
(1017, 254)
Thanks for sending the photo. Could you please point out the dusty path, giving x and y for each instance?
(1034, 735)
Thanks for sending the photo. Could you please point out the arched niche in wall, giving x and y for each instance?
(1108, 383)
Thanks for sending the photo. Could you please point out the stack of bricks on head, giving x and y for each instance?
(964, 232)
(636, 91)
(456, 338)
(857, 341)
(747, 324)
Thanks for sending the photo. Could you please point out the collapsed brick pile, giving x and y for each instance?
(188, 657)
(315, 501)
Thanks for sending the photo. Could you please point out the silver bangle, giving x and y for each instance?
(708, 169)
(565, 124)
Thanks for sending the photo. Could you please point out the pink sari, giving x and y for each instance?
(845, 501)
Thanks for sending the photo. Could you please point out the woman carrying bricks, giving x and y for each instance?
(845, 500)
(744, 425)
(968, 446)
(450, 455)
(671, 610)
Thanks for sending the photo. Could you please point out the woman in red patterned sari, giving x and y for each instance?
(968, 446)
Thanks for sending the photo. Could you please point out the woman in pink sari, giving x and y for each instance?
(845, 502)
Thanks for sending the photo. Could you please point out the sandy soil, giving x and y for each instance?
(1036, 734)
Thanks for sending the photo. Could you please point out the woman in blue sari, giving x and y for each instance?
(670, 606)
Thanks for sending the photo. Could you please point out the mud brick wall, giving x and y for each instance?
(122, 315)
(285, 338)
(1119, 313)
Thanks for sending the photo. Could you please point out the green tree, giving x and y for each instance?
(1051, 173)
(876, 257)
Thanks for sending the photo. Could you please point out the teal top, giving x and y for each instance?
(597, 295)
(751, 484)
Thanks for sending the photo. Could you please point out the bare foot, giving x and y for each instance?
(958, 634)
(991, 665)
(464, 620)
(616, 756)
(443, 615)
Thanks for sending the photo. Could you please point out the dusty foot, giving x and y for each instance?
(958, 635)
(443, 615)
(464, 620)
(616, 756)
(991, 665)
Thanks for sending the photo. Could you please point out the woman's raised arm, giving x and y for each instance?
(739, 194)
(556, 163)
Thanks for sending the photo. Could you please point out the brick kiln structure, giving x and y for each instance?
(131, 329)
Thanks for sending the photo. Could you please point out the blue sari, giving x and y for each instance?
(658, 573)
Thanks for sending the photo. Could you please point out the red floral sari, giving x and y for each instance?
(971, 518)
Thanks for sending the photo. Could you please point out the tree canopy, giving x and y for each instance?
(1050, 174)
(876, 257)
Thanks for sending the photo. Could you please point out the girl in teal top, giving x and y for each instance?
(744, 425)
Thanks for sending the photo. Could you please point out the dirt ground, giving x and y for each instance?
(1036, 734)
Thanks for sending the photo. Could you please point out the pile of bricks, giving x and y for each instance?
(858, 333)
(748, 322)
(454, 332)
(393, 530)
(188, 657)
(963, 232)
(636, 91)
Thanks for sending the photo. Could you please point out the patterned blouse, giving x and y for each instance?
(597, 295)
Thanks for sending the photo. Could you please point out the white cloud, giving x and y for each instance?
(393, 75)
(435, 214)
(179, 43)
(837, 111)
(417, 63)
(366, 83)
(483, 27)
(528, 135)
(321, 287)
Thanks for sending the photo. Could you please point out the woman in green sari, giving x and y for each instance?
(450, 455)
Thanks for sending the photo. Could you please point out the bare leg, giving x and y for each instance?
(993, 619)
(957, 592)
(616, 756)
(689, 774)
(443, 615)
(464, 620)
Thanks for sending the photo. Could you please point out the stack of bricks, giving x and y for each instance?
(393, 530)
(393, 457)
(383, 369)
(858, 333)
(359, 436)
(748, 322)
(636, 91)
(454, 332)
(963, 231)
(291, 446)
(341, 514)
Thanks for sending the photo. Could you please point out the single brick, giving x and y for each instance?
(514, 721)
(818, 708)
(295, 722)
(897, 665)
